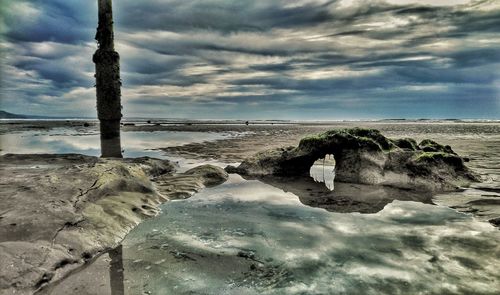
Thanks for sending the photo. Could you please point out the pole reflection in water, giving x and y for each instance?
(116, 272)
(323, 170)
(111, 146)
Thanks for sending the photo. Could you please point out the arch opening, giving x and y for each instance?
(323, 170)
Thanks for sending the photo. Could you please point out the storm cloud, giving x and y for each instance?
(303, 59)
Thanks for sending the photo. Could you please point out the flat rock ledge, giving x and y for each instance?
(58, 212)
(365, 156)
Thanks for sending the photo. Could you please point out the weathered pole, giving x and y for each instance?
(108, 83)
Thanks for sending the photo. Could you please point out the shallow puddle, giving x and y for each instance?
(248, 237)
(134, 143)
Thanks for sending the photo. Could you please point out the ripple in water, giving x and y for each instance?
(247, 237)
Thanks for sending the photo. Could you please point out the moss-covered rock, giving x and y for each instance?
(428, 145)
(210, 175)
(406, 143)
(355, 138)
(440, 157)
(366, 156)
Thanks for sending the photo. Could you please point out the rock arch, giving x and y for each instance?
(366, 156)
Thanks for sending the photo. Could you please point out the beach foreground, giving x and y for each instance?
(61, 212)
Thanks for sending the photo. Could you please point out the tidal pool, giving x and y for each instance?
(248, 237)
(274, 236)
(134, 143)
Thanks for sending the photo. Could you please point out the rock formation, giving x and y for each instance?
(60, 211)
(365, 156)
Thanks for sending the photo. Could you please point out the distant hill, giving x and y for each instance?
(7, 115)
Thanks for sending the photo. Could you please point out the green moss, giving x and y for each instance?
(367, 142)
(428, 142)
(406, 143)
(349, 138)
(371, 133)
(429, 156)
(434, 157)
(428, 145)
(374, 135)
(313, 141)
(313, 138)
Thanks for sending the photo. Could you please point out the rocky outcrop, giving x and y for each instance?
(58, 212)
(365, 156)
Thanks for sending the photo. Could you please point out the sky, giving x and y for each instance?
(258, 59)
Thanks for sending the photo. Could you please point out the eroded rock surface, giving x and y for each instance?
(59, 211)
(365, 156)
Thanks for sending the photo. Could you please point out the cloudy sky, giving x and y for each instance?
(259, 59)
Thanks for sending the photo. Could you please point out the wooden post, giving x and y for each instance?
(108, 83)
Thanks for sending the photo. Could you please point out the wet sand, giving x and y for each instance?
(478, 141)
(60, 212)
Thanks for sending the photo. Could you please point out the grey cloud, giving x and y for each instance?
(221, 15)
(266, 54)
(67, 21)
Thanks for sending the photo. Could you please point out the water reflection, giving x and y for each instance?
(323, 170)
(116, 271)
(248, 237)
(134, 143)
(347, 197)
(320, 190)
